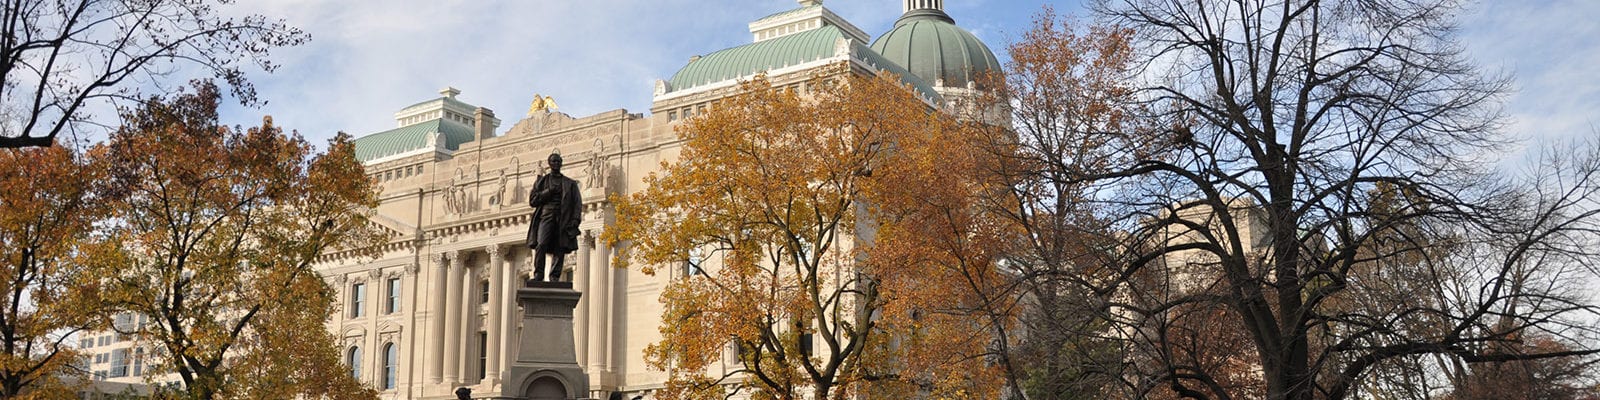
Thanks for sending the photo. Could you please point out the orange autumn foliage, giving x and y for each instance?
(221, 227)
(811, 266)
(49, 202)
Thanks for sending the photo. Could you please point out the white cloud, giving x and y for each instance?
(1549, 47)
(365, 63)
(367, 60)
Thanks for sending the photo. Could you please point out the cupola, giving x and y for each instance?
(927, 42)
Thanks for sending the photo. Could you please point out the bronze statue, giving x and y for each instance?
(557, 211)
(463, 394)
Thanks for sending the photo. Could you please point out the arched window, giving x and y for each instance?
(391, 359)
(354, 359)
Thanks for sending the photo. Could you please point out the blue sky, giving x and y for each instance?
(368, 59)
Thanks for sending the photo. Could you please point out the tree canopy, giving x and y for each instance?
(1299, 207)
(785, 267)
(221, 228)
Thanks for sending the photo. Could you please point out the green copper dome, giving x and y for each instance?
(411, 138)
(928, 43)
(796, 49)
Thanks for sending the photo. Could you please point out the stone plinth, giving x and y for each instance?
(546, 365)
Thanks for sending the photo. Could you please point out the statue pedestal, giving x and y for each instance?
(546, 365)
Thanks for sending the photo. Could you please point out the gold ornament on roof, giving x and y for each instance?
(542, 103)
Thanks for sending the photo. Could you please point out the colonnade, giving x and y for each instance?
(457, 314)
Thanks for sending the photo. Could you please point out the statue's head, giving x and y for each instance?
(463, 393)
(555, 162)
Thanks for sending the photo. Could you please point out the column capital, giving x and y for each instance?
(456, 260)
(496, 252)
(436, 258)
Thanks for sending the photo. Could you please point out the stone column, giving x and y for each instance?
(468, 307)
(512, 279)
(580, 317)
(597, 316)
(437, 315)
(453, 319)
(603, 263)
(496, 311)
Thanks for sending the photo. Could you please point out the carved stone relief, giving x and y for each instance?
(598, 166)
(497, 196)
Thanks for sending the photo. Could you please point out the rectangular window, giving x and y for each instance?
(483, 292)
(119, 363)
(124, 322)
(85, 343)
(691, 265)
(393, 304)
(358, 292)
(483, 357)
(138, 362)
(805, 344)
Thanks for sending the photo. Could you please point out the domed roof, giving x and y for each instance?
(929, 44)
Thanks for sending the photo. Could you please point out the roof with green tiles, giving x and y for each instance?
(930, 45)
(410, 138)
(795, 49)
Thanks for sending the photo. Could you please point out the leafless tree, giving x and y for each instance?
(62, 57)
(1305, 205)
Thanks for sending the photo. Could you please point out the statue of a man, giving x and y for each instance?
(557, 211)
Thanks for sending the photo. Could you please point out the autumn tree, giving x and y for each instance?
(772, 221)
(1248, 188)
(222, 226)
(64, 57)
(1565, 378)
(50, 198)
(1066, 92)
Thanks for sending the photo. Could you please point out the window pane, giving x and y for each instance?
(394, 296)
(391, 357)
(483, 358)
(357, 293)
(119, 363)
(354, 359)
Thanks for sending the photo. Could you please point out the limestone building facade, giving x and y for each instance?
(437, 310)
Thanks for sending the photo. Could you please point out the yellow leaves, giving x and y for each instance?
(224, 227)
(48, 205)
(825, 216)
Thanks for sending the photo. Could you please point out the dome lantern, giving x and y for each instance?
(913, 5)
